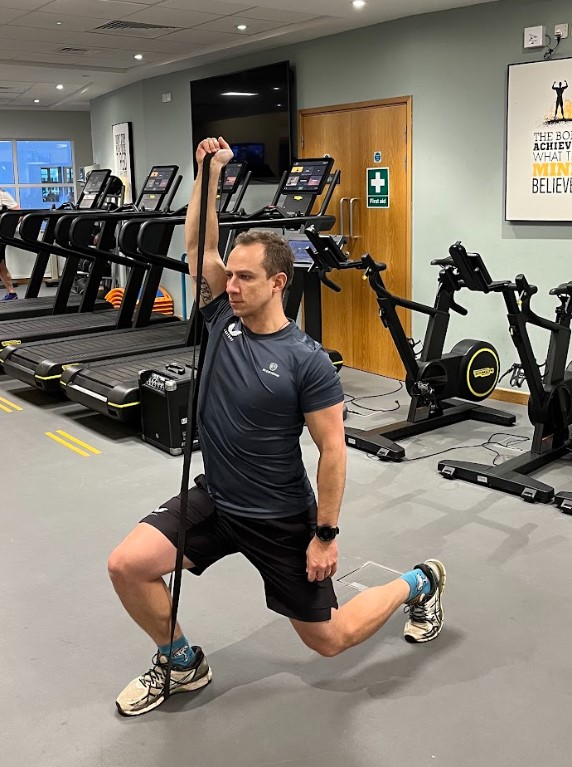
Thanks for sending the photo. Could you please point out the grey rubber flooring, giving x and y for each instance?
(494, 689)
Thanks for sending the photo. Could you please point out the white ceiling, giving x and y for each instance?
(178, 34)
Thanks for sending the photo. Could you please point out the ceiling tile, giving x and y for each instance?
(68, 23)
(228, 24)
(120, 42)
(199, 35)
(97, 8)
(218, 7)
(34, 33)
(172, 17)
(11, 14)
(8, 45)
(146, 3)
(277, 14)
(25, 5)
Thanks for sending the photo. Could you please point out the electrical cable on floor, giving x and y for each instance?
(350, 400)
(513, 439)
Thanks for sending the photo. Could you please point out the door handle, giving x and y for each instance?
(342, 222)
(352, 201)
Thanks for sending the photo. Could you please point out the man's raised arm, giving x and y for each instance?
(213, 278)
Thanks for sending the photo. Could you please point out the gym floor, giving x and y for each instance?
(494, 689)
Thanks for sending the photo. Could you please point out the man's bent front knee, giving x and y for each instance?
(146, 554)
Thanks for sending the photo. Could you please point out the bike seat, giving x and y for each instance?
(564, 289)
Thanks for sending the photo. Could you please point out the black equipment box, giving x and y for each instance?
(164, 406)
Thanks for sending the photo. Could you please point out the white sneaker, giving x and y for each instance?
(146, 692)
(426, 611)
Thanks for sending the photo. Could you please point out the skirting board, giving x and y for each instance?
(510, 395)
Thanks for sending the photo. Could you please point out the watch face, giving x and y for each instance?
(326, 533)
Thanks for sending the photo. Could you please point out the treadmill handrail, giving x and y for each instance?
(239, 223)
(90, 253)
(150, 258)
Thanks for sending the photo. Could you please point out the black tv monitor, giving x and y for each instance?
(252, 109)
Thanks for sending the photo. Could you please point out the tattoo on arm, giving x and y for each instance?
(205, 291)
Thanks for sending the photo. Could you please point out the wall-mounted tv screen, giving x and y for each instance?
(251, 109)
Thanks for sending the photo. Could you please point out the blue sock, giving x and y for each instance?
(418, 583)
(183, 655)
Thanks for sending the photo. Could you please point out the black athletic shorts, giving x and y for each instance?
(276, 547)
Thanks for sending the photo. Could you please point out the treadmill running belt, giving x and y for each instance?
(41, 363)
(16, 332)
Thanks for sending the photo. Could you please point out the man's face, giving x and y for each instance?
(249, 288)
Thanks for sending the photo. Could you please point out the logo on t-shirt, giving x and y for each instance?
(271, 369)
(231, 332)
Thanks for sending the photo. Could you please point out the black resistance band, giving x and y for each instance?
(191, 416)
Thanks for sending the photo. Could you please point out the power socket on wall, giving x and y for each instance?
(535, 37)
(561, 31)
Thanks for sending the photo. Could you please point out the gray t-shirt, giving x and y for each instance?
(251, 409)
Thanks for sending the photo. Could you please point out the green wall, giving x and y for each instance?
(454, 64)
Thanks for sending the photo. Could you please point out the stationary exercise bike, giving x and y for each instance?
(435, 380)
(550, 401)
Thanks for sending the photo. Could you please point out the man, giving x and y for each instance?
(9, 203)
(263, 379)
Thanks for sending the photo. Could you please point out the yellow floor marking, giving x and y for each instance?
(10, 404)
(66, 444)
(5, 409)
(91, 449)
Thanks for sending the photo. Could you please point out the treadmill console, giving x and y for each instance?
(302, 257)
(307, 176)
(305, 180)
(156, 186)
(94, 186)
(233, 174)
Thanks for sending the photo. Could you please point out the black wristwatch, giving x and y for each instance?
(326, 532)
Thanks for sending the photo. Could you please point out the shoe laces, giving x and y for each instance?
(417, 612)
(156, 675)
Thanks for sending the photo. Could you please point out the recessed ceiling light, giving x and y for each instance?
(60, 87)
(238, 93)
(58, 23)
(275, 89)
(242, 27)
(36, 101)
(138, 56)
(358, 4)
(278, 105)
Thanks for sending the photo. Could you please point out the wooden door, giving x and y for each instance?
(352, 134)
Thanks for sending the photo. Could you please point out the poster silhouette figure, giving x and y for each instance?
(559, 89)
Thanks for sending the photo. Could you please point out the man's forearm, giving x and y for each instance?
(193, 214)
(331, 483)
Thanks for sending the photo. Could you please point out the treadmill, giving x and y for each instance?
(41, 364)
(17, 332)
(94, 195)
(112, 387)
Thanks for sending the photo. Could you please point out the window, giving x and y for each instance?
(38, 174)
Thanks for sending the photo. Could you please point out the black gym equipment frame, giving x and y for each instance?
(436, 380)
(33, 305)
(41, 364)
(550, 399)
(15, 333)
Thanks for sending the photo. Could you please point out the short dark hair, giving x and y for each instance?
(278, 256)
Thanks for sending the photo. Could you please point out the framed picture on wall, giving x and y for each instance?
(539, 141)
(123, 158)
